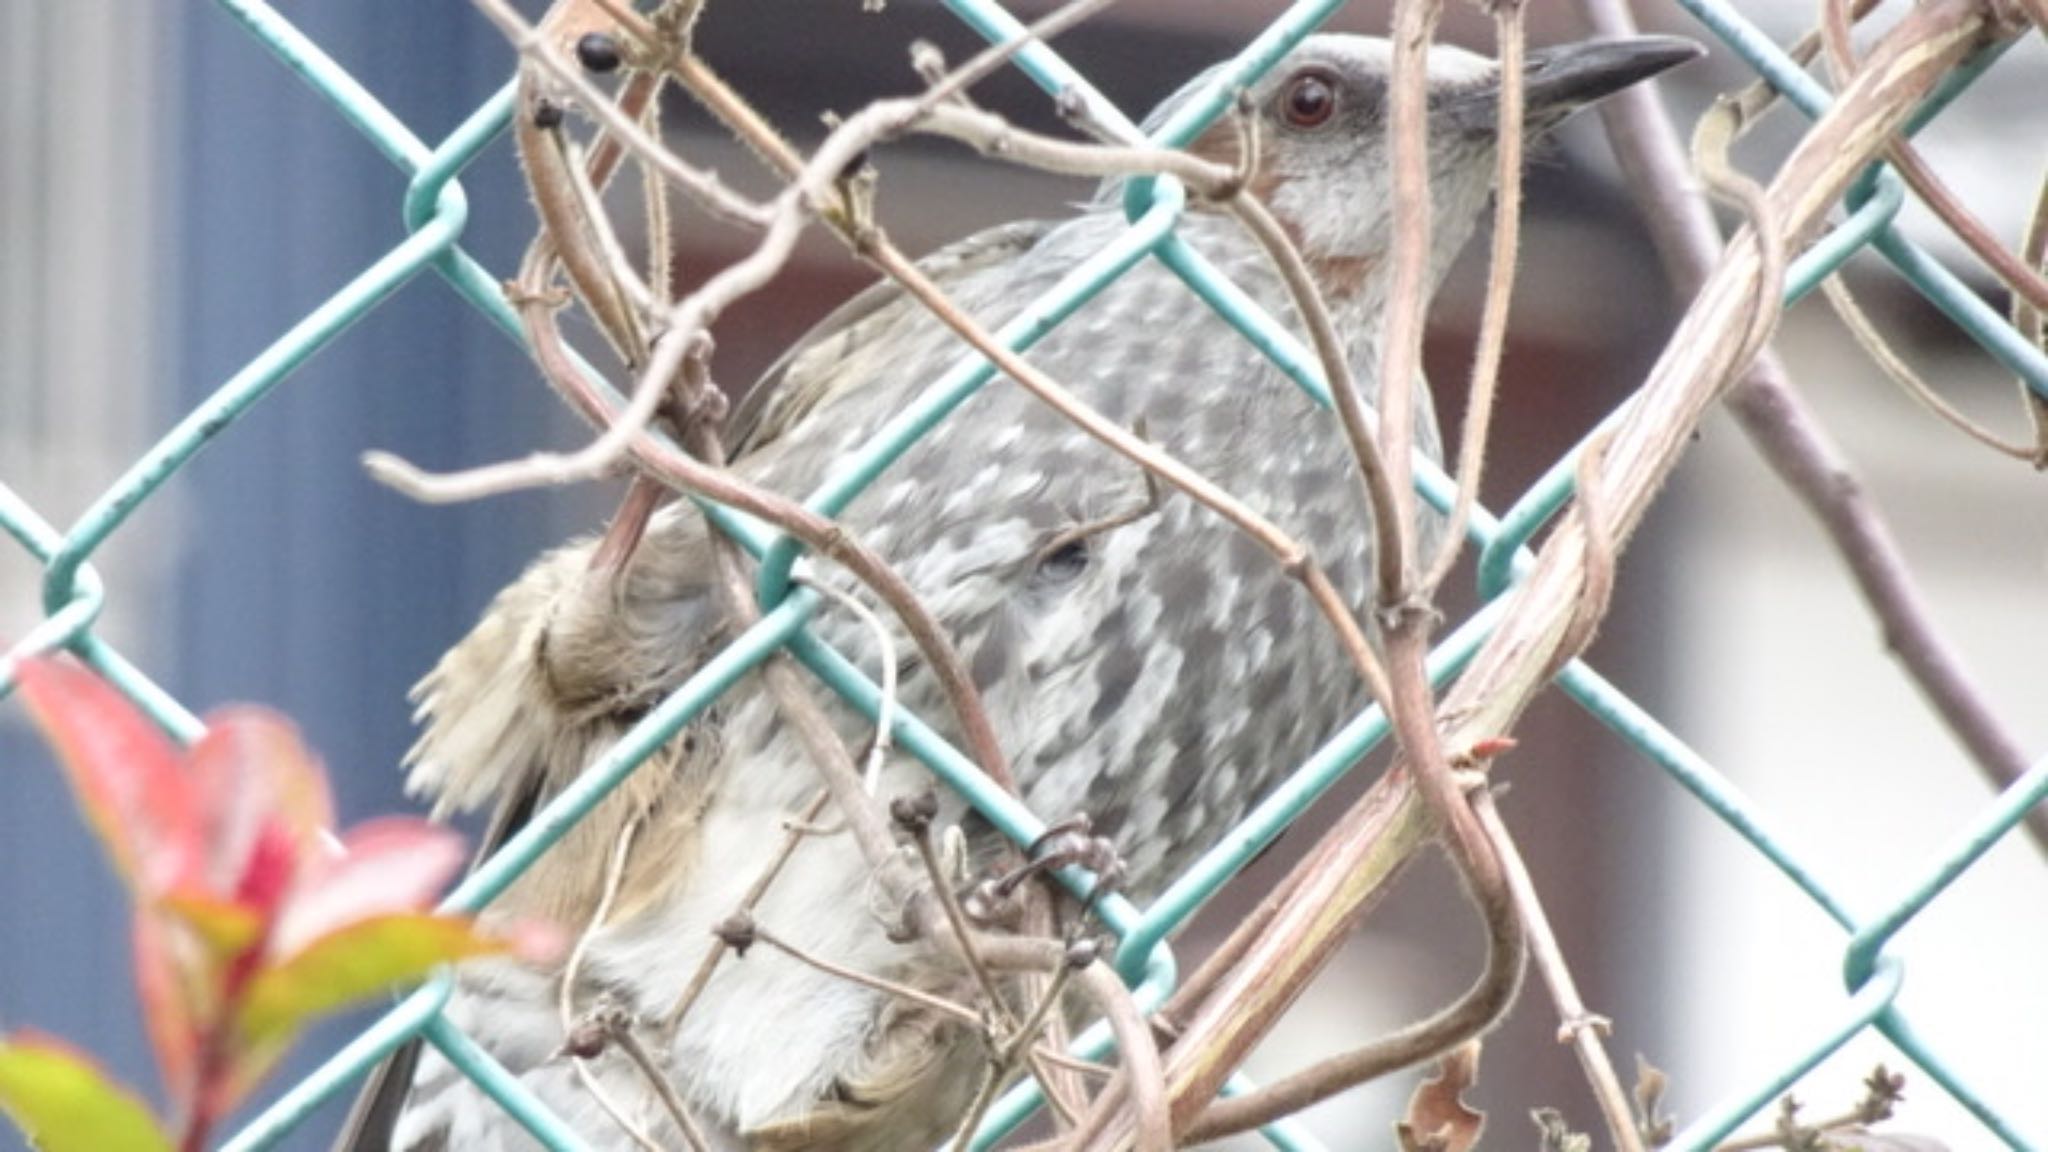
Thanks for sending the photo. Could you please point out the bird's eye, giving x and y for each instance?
(1310, 99)
(1064, 560)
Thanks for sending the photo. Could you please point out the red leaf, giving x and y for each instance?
(394, 864)
(257, 778)
(269, 873)
(170, 1002)
(124, 771)
(65, 1103)
(353, 963)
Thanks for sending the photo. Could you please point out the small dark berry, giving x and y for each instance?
(598, 52)
(737, 931)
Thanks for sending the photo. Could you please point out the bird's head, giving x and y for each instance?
(1324, 162)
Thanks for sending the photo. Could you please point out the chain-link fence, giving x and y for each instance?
(436, 211)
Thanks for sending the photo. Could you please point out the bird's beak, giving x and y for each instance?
(1559, 81)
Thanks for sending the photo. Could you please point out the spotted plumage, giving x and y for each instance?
(1157, 675)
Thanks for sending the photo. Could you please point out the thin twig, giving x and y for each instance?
(1512, 665)
(1882, 1091)
(660, 246)
(628, 1041)
(1502, 261)
(920, 831)
(1139, 1089)
(1597, 588)
(1407, 147)
(888, 118)
(2029, 320)
(1717, 131)
(939, 1004)
(1229, 188)
(1581, 1029)
(885, 659)
(1895, 369)
(1481, 1005)
(2019, 279)
(703, 188)
(1405, 625)
(1293, 557)
(806, 718)
(1798, 448)
(1356, 420)
(794, 833)
(1054, 1056)
(993, 136)
(824, 537)
(584, 240)
(1004, 1059)
(571, 969)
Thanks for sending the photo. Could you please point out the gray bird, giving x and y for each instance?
(1157, 675)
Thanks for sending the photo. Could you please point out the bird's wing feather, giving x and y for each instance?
(559, 664)
(807, 372)
(556, 670)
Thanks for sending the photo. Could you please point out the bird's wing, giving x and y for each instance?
(560, 664)
(817, 362)
(373, 1119)
(558, 668)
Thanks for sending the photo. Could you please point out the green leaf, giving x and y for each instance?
(354, 963)
(64, 1103)
(226, 927)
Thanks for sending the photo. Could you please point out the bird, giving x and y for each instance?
(1142, 662)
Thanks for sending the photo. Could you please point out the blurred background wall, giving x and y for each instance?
(171, 199)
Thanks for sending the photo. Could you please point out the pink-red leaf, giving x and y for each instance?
(393, 864)
(65, 1103)
(257, 779)
(171, 1000)
(352, 963)
(124, 771)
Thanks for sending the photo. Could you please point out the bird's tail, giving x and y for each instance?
(487, 717)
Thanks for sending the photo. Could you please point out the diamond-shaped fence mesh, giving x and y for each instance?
(435, 212)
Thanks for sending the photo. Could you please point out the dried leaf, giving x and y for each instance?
(352, 963)
(1555, 1135)
(1438, 1117)
(396, 864)
(63, 1102)
(125, 772)
(1652, 1122)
